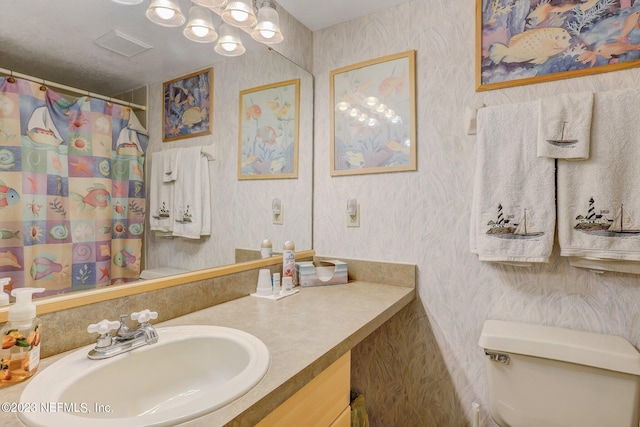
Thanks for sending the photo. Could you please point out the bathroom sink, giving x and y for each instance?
(189, 372)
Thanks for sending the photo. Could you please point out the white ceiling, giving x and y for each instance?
(317, 15)
(54, 40)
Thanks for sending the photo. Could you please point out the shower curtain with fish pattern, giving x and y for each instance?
(72, 197)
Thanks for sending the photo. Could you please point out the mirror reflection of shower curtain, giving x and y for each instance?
(72, 198)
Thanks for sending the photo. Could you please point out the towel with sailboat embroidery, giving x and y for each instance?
(598, 199)
(564, 126)
(513, 208)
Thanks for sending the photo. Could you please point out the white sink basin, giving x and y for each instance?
(189, 372)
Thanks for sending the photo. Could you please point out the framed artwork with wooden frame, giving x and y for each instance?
(188, 106)
(268, 135)
(373, 116)
(522, 42)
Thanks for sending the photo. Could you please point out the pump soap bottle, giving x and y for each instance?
(21, 337)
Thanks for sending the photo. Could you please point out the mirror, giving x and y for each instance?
(64, 50)
(241, 209)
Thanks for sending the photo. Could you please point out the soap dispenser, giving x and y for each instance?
(21, 337)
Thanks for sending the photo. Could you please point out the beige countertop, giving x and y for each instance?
(304, 332)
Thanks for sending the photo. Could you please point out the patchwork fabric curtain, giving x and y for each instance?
(72, 198)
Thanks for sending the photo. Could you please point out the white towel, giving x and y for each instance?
(598, 199)
(513, 188)
(564, 129)
(188, 193)
(208, 153)
(170, 164)
(600, 266)
(206, 196)
(160, 196)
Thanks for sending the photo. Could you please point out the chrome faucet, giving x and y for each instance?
(125, 339)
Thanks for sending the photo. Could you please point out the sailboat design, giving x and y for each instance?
(562, 141)
(624, 223)
(41, 129)
(523, 230)
(128, 143)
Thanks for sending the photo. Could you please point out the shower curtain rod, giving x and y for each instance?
(72, 89)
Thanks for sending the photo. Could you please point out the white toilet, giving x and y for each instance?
(542, 376)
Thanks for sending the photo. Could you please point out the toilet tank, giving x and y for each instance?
(547, 376)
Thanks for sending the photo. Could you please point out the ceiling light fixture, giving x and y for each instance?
(235, 13)
(267, 30)
(166, 13)
(128, 2)
(229, 43)
(199, 28)
(210, 3)
(239, 13)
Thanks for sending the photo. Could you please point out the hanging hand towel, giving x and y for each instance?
(513, 208)
(598, 199)
(564, 126)
(160, 196)
(205, 191)
(170, 164)
(187, 194)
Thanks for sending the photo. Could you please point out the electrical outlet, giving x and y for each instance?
(278, 218)
(354, 220)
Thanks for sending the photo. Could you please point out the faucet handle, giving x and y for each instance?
(144, 315)
(103, 326)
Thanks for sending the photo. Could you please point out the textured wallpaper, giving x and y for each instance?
(424, 368)
(241, 210)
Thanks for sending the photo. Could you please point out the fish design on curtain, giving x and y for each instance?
(72, 195)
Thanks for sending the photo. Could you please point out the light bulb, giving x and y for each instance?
(370, 101)
(267, 34)
(342, 106)
(200, 31)
(228, 46)
(165, 12)
(239, 15)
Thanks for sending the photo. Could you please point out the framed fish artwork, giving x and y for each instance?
(373, 116)
(268, 135)
(188, 106)
(531, 41)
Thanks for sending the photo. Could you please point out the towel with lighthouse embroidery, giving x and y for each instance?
(598, 198)
(513, 207)
(71, 190)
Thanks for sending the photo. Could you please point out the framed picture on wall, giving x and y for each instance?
(373, 116)
(268, 134)
(522, 42)
(188, 106)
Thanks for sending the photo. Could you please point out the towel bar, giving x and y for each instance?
(209, 151)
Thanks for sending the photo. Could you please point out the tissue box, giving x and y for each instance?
(332, 272)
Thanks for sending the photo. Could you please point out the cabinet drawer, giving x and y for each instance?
(318, 403)
(344, 420)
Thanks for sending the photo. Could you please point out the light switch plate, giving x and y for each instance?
(354, 220)
(278, 219)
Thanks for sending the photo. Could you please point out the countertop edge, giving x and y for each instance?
(271, 401)
(248, 410)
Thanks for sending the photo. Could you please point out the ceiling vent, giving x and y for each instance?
(121, 43)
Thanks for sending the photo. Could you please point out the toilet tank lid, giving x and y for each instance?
(585, 348)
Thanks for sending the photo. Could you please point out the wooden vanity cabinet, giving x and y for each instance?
(323, 402)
